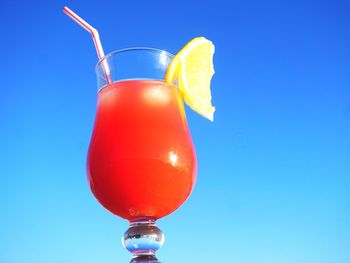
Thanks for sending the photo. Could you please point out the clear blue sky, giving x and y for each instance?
(274, 168)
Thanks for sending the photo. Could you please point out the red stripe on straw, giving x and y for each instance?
(95, 37)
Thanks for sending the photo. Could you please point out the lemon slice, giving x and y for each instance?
(193, 69)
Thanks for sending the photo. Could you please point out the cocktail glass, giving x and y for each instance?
(141, 162)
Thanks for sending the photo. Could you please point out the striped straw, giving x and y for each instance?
(95, 37)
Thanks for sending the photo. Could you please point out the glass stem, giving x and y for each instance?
(143, 238)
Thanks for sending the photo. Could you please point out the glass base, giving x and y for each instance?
(143, 238)
(145, 259)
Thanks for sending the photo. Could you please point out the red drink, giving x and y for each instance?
(141, 160)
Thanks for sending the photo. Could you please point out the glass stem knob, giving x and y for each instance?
(143, 238)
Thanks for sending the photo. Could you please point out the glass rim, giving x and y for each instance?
(128, 49)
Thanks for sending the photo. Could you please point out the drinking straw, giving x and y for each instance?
(95, 37)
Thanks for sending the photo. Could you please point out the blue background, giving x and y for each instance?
(274, 168)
